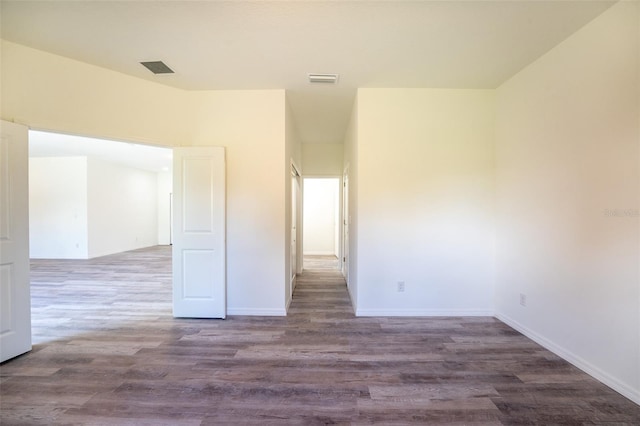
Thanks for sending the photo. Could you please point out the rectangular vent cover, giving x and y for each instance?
(323, 78)
(157, 67)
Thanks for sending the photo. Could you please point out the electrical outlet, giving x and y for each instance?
(523, 299)
(400, 286)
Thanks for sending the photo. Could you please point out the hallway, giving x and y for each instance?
(109, 352)
(323, 262)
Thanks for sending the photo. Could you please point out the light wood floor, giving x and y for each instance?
(320, 262)
(108, 352)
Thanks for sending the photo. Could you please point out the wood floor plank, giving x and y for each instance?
(107, 351)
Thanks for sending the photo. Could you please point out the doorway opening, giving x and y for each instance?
(321, 220)
(99, 230)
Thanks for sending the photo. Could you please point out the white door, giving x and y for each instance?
(15, 295)
(199, 271)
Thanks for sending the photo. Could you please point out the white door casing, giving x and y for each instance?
(199, 258)
(295, 195)
(15, 295)
(345, 226)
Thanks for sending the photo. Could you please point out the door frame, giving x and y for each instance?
(338, 207)
(345, 220)
(295, 260)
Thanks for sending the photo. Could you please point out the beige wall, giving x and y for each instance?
(49, 92)
(251, 125)
(322, 159)
(425, 201)
(567, 150)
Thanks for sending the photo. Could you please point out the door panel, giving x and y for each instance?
(199, 263)
(15, 296)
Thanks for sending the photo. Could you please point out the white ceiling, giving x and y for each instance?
(275, 44)
(144, 157)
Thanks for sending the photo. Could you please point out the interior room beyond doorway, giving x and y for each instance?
(321, 223)
(92, 197)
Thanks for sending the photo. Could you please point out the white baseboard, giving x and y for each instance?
(257, 312)
(622, 388)
(320, 253)
(423, 313)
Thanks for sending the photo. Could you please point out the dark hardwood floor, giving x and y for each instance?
(108, 352)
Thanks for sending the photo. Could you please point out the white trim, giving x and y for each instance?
(615, 384)
(257, 312)
(423, 313)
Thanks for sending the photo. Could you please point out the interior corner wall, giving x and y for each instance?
(122, 208)
(58, 208)
(425, 202)
(251, 126)
(322, 159)
(568, 183)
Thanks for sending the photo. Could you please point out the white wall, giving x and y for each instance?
(81, 208)
(322, 159)
(321, 222)
(122, 208)
(165, 189)
(425, 202)
(58, 208)
(567, 150)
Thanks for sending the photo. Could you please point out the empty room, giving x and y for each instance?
(484, 234)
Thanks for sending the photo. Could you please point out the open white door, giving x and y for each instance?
(199, 271)
(15, 295)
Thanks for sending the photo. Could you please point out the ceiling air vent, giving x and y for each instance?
(323, 78)
(157, 67)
